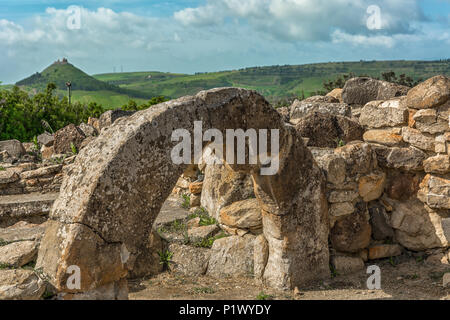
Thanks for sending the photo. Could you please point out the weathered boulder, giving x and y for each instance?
(111, 116)
(429, 94)
(359, 157)
(417, 227)
(20, 284)
(88, 130)
(352, 233)
(18, 254)
(384, 251)
(402, 186)
(325, 99)
(339, 196)
(407, 159)
(380, 222)
(14, 148)
(148, 262)
(423, 141)
(435, 192)
(346, 264)
(428, 121)
(22, 231)
(232, 256)
(338, 130)
(223, 186)
(284, 113)
(299, 109)
(380, 114)
(203, 232)
(371, 186)
(260, 256)
(187, 260)
(8, 176)
(439, 164)
(245, 214)
(196, 187)
(65, 137)
(336, 94)
(388, 137)
(362, 90)
(45, 139)
(341, 209)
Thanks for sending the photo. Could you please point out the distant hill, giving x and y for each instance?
(85, 88)
(274, 82)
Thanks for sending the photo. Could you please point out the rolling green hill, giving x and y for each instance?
(84, 87)
(274, 82)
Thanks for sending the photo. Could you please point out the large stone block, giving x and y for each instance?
(380, 114)
(363, 90)
(429, 94)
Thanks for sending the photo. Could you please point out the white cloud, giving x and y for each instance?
(309, 20)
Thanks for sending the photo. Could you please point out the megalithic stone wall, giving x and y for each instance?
(118, 183)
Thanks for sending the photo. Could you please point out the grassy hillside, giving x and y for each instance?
(273, 82)
(84, 87)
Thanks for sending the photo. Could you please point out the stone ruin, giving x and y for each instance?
(364, 175)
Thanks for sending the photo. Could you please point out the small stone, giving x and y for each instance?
(347, 264)
(47, 152)
(418, 139)
(340, 196)
(46, 139)
(193, 223)
(18, 254)
(371, 187)
(341, 209)
(446, 280)
(195, 200)
(20, 284)
(429, 94)
(384, 251)
(14, 148)
(380, 114)
(438, 164)
(387, 137)
(196, 187)
(200, 233)
(245, 214)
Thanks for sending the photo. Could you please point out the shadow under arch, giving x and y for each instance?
(115, 189)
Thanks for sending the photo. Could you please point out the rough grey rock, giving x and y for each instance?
(362, 90)
(18, 254)
(19, 284)
(188, 260)
(13, 147)
(232, 256)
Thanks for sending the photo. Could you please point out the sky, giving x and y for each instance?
(188, 36)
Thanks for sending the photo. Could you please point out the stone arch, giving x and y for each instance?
(118, 183)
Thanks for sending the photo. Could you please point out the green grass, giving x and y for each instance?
(264, 296)
(186, 204)
(208, 242)
(274, 82)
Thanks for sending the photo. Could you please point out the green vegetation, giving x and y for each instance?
(73, 148)
(264, 296)
(279, 84)
(24, 117)
(3, 242)
(4, 266)
(208, 242)
(21, 115)
(2, 169)
(186, 204)
(165, 258)
(205, 218)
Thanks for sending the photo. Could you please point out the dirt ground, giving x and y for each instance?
(405, 278)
